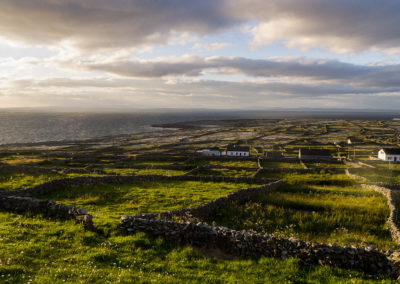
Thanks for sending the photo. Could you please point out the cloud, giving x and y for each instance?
(110, 23)
(208, 89)
(211, 46)
(340, 26)
(297, 68)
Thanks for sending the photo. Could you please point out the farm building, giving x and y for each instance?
(315, 154)
(389, 155)
(354, 141)
(210, 152)
(274, 154)
(238, 151)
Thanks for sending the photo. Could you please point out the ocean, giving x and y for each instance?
(35, 126)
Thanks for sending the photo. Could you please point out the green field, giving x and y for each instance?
(225, 172)
(378, 175)
(325, 165)
(268, 164)
(21, 180)
(243, 164)
(328, 214)
(324, 177)
(128, 171)
(107, 203)
(36, 250)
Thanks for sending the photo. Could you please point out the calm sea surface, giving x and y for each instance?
(30, 127)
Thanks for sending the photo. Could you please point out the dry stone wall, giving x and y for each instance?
(393, 216)
(9, 169)
(242, 243)
(392, 221)
(48, 208)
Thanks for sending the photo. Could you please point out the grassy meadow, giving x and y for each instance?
(21, 180)
(327, 214)
(225, 173)
(37, 250)
(107, 203)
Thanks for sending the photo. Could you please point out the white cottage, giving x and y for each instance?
(389, 155)
(238, 151)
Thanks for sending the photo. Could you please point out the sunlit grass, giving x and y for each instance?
(21, 180)
(347, 216)
(243, 164)
(129, 171)
(268, 164)
(325, 165)
(41, 251)
(225, 172)
(109, 202)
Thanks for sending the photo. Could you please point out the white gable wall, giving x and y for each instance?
(382, 155)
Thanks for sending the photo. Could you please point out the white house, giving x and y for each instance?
(211, 152)
(238, 151)
(389, 155)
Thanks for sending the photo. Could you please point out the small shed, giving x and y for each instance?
(389, 154)
(315, 154)
(210, 152)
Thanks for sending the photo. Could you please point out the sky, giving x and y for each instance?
(213, 54)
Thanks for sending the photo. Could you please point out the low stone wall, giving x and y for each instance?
(208, 210)
(80, 171)
(283, 159)
(157, 158)
(258, 163)
(229, 168)
(352, 164)
(48, 208)
(90, 181)
(366, 165)
(242, 243)
(302, 171)
(150, 166)
(225, 158)
(355, 177)
(393, 216)
(9, 169)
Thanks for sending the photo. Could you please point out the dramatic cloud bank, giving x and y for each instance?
(200, 53)
(110, 23)
(340, 25)
(305, 68)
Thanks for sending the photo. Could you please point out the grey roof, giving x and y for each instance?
(315, 152)
(238, 148)
(392, 151)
